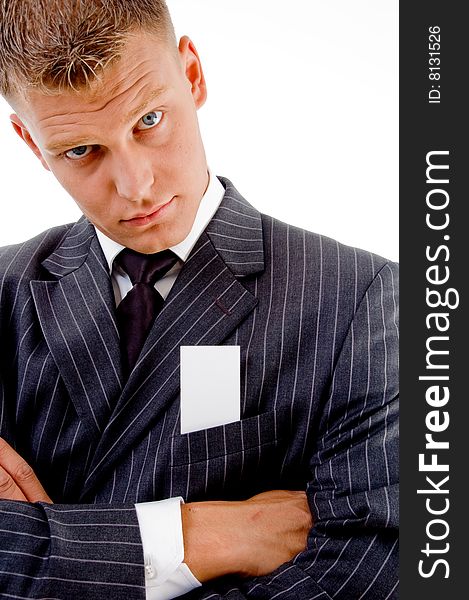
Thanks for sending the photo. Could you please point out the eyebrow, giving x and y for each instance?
(156, 93)
(76, 142)
(67, 145)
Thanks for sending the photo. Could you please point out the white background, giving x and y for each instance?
(302, 116)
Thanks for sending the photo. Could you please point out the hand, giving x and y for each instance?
(17, 479)
(247, 538)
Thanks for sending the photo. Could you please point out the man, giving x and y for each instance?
(90, 386)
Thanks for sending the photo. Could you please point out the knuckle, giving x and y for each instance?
(24, 472)
(308, 520)
(6, 483)
(304, 519)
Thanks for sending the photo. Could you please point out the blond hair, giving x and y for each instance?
(52, 45)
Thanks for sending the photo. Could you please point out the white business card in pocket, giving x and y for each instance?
(210, 386)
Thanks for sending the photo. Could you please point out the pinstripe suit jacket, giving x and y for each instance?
(316, 325)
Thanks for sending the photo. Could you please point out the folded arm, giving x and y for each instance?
(91, 551)
(352, 550)
(88, 550)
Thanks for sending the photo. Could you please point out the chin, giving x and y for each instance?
(147, 248)
(154, 246)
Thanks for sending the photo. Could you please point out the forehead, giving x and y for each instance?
(146, 69)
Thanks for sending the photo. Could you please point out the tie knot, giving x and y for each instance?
(145, 268)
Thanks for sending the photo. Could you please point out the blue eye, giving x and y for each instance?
(78, 152)
(150, 120)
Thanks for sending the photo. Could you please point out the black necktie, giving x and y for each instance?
(137, 311)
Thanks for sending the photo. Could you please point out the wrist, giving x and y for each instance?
(212, 541)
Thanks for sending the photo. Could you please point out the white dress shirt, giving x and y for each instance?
(166, 576)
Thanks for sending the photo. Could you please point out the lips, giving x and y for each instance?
(148, 217)
(146, 214)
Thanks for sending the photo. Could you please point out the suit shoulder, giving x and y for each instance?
(325, 253)
(23, 260)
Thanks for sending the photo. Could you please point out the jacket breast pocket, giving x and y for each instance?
(232, 461)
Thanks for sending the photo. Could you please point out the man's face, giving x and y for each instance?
(129, 152)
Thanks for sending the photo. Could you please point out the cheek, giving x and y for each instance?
(87, 192)
(94, 199)
(185, 155)
(67, 179)
(185, 136)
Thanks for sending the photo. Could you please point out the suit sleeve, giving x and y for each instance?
(352, 550)
(65, 551)
(70, 551)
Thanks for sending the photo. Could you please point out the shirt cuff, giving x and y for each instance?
(166, 576)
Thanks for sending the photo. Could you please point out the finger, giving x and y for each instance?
(22, 474)
(8, 488)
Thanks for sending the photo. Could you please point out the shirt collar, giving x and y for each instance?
(208, 206)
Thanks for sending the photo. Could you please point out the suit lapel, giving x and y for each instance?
(77, 318)
(207, 302)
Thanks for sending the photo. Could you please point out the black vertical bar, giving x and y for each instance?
(434, 267)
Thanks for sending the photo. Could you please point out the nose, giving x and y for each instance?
(132, 174)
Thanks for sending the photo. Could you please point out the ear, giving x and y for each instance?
(193, 70)
(24, 134)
